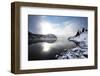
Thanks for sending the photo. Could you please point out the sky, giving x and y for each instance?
(58, 25)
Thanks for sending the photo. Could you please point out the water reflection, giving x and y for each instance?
(47, 51)
(46, 47)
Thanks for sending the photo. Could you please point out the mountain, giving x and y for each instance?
(81, 49)
(37, 38)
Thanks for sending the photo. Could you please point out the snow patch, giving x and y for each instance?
(81, 49)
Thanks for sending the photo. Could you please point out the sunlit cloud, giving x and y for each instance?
(65, 29)
(46, 28)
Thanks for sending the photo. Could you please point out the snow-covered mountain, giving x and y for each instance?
(81, 49)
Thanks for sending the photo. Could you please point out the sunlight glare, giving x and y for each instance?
(46, 47)
(46, 28)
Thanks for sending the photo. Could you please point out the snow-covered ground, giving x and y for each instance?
(81, 49)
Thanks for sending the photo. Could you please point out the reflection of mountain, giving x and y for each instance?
(36, 38)
(81, 49)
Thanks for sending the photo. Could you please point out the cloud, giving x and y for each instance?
(66, 29)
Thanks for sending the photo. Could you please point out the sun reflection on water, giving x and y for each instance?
(46, 47)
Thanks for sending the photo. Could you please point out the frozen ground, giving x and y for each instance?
(81, 49)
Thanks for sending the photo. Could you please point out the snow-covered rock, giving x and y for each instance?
(81, 49)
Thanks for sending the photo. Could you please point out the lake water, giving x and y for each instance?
(48, 51)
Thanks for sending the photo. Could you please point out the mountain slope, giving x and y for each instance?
(37, 38)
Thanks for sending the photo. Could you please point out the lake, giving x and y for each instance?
(48, 51)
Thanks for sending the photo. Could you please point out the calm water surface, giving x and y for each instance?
(48, 51)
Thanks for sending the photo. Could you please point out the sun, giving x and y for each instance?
(46, 28)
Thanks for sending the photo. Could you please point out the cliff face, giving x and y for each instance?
(81, 49)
